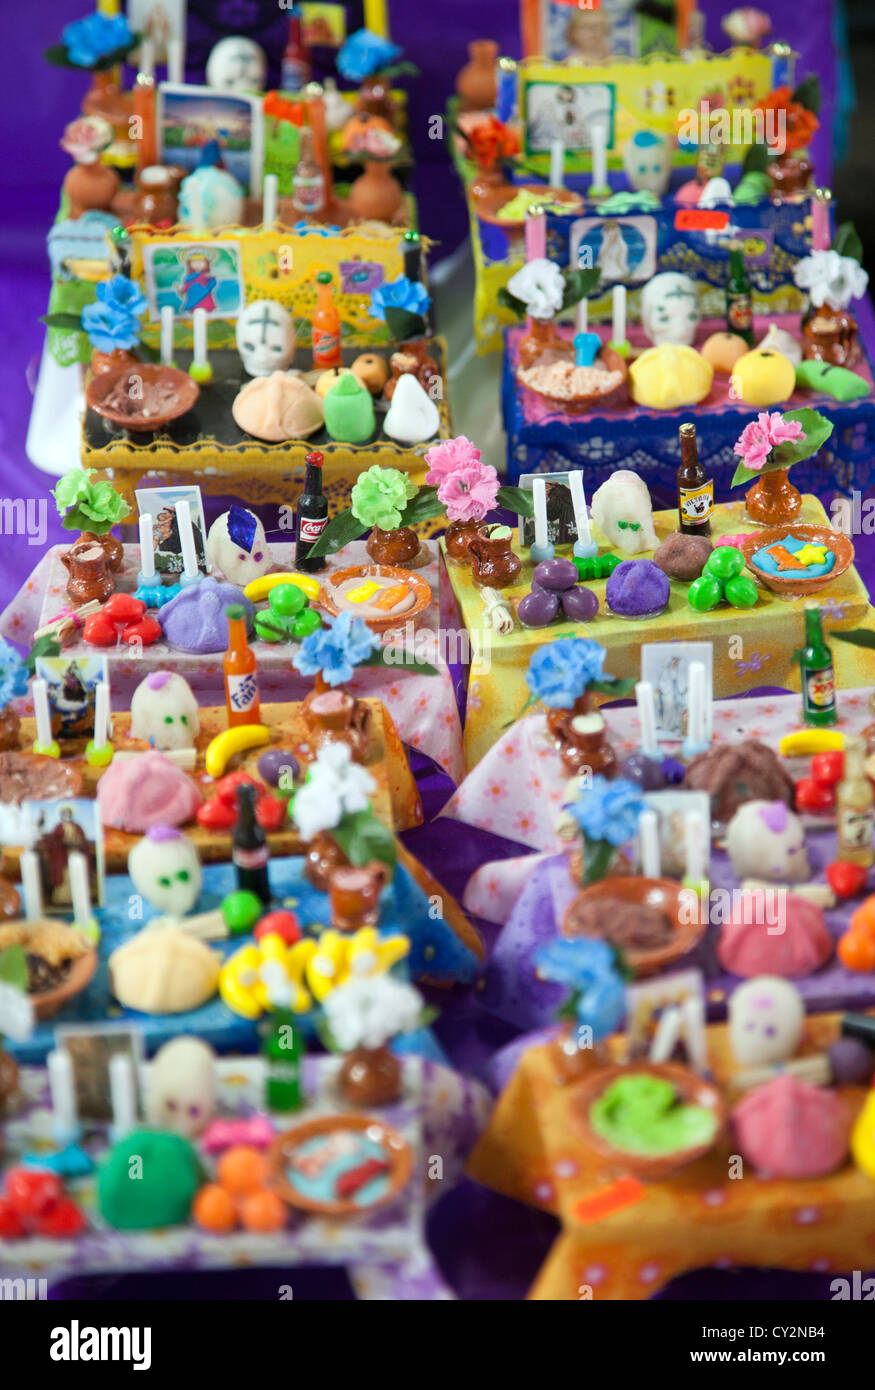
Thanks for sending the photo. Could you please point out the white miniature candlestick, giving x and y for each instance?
(31, 885)
(557, 164)
(101, 715)
(696, 740)
(175, 60)
(599, 141)
(147, 550)
(77, 868)
(269, 197)
(190, 571)
(619, 342)
(166, 335)
(648, 842)
(647, 719)
(65, 1114)
(44, 742)
(199, 324)
(542, 549)
(668, 1031)
(585, 547)
(146, 64)
(695, 847)
(123, 1095)
(581, 316)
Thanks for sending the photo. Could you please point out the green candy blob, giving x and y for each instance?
(704, 593)
(741, 592)
(349, 411)
(724, 562)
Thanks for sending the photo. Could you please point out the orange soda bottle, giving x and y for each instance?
(325, 324)
(240, 668)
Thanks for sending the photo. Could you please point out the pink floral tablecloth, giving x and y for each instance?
(423, 707)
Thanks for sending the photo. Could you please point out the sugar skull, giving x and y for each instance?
(210, 197)
(622, 509)
(670, 309)
(181, 1094)
(766, 1018)
(647, 162)
(265, 337)
(237, 546)
(165, 870)
(237, 64)
(766, 840)
(164, 711)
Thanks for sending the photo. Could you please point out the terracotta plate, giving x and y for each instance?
(790, 584)
(421, 590)
(487, 206)
(185, 390)
(612, 362)
(665, 896)
(80, 974)
(323, 1165)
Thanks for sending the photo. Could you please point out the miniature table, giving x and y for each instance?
(700, 1217)
(385, 1253)
(423, 707)
(751, 646)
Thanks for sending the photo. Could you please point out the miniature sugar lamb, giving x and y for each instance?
(622, 510)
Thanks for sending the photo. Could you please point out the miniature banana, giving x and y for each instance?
(223, 747)
(260, 588)
(801, 742)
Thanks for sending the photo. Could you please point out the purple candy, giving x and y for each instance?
(673, 771)
(274, 762)
(557, 575)
(195, 620)
(156, 680)
(160, 833)
(646, 772)
(637, 589)
(538, 609)
(852, 1061)
(579, 604)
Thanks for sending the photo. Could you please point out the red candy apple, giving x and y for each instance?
(813, 796)
(32, 1191)
(845, 879)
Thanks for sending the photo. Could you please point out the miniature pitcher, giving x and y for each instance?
(493, 563)
(355, 895)
(89, 574)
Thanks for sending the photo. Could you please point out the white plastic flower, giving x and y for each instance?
(831, 279)
(16, 1013)
(540, 286)
(368, 1012)
(335, 787)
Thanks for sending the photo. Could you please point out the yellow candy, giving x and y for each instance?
(763, 377)
(669, 376)
(804, 741)
(371, 954)
(863, 1137)
(363, 592)
(234, 740)
(328, 967)
(260, 588)
(812, 554)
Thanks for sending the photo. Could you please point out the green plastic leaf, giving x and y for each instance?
(808, 93)
(613, 686)
(578, 284)
(71, 323)
(341, 529)
(47, 645)
(756, 160)
(403, 324)
(422, 507)
(857, 637)
(817, 431)
(847, 242)
(363, 837)
(510, 301)
(411, 661)
(516, 499)
(13, 967)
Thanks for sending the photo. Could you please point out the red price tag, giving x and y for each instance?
(700, 220)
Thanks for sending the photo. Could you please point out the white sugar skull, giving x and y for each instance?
(766, 840)
(210, 197)
(622, 509)
(647, 162)
(165, 870)
(766, 1018)
(265, 337)
(236, 545)
(181, 1095)
(164, 711)
(670, 309)
(237, 64)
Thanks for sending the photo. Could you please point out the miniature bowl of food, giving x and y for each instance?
(385, 596)
(648, 1118)
(141, 397)
(653, 921)
(506, 206)
(573, 389)
(60, 961)
(340, 1165)
(797, 559)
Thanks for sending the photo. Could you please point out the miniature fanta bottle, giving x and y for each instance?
(240, 670)
(325, 324)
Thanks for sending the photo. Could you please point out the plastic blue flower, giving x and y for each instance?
(602, 1004)
(109, 327)
(122, 293)
(335, 651)
(573, 961)
(560, 673)
(13, 674)
(609, 810)
(400, 294)
(89, 39)
(365, 53)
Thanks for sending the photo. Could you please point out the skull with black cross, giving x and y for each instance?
(265, 337)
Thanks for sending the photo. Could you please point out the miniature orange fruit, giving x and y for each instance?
(213, 1209)
(242, 1169)
(856, 950)
(263, 1211)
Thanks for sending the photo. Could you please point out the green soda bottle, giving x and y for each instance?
(739, 299)
(817, 673)
(283, 1050)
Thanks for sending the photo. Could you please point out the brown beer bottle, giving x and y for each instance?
(695, 488)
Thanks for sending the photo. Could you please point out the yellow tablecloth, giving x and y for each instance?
(752, 646)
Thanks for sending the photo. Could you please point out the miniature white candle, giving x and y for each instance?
(668, 1030)
(122, 1094)
(101, 714)
(695, 847)
(696, 740)
(585, 547)
(65, 1115)
(648, 843)
(31, 885)
(618, 311)
(146, 63)
(599, 143)
(77, 868)
(269, 195)
(647, 719)
(186, 539)
(40, 692)
(199, 324)
(557, 164)
(166, 335)
(175, 60)
(147, 548)
(539, 502)
(581, 315)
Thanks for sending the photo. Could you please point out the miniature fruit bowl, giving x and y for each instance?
(340, 1165)
(790, 584)
(365, 581)
(489, 203)
(606, 358)
(690, 1090)
(659, 894)
(162, 394)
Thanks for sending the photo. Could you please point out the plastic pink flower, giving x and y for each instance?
(449, 456)
(764, 434)
(469, 493)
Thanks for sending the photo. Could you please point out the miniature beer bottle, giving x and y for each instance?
(817, 674)
(695, 488)
(249, 852)
(325, 324)
(854, 800)
(739, 300)
(311, 516)
(295, 70)
(282, 1050)
(308, 181)
(240, 670)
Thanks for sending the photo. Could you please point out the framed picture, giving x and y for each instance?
(191, 275)
(158, 20)
(91, 1047)
(564, 30)
(622, 248)
(566, 110)
(189, 117)
(72, 690)
(324, 23)
(55, 829)
(666, 665)
(561, 529)
(647, 1001)
(160, 504)
(672, 806)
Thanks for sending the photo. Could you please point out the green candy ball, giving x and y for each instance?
(270, 628)
(306, 622)
(741, 592)
(724, 562)
(704, 593)
(241, 910)
(287, 600)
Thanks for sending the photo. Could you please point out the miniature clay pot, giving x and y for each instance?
(370, 1076)
(90, 187)
(80, 974)
(10, 730)
(355, 895)
(111, 545)
(323, 856)
(102, 362)
(661, 893)
(376, 195)
(157, 196)
(375, 98)
(333, 716)
(543, 345)
(773, 499)
(399, 547)
(493, 563)
(570, 1060)
(789, 173)
(489, 184)
(830, 335)
(581, 737)
(476, 83)
(104, 98)
(8, 1081)
(411, 357)
(458, 537)
(10, 902)
(90, 577)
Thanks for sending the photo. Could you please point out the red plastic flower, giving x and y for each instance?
(794, 125)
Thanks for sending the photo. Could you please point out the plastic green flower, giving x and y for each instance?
(380, 496)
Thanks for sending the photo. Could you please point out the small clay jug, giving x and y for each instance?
(493, 563)
(90, 187)
(376, 195)
(111, 545)
(323, 856)
(476, 82)
(370, 1076)
(355, 895)
(830, 335)
(773, 499)
(90, 577)
(581, 737)
(375, 98)
(157, 194)
(458, 537)
(333, 716)
(790, 173)
(412, 357)
(108, 361)
(400, 547)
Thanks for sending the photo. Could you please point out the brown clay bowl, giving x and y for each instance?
(651, 1167)
(660, 893)
(150, 374)
(419, 586)
(789, 584)
(33, 776)
(579, 405)
(81, 972)
(488, 205)
(397, 1151)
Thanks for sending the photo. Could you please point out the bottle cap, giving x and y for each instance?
(315, 460)
(235, 611)
(324, 277)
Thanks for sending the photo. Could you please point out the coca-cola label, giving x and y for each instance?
(242, 691)
(249, 858)
(311, 527)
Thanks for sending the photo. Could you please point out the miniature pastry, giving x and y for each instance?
(734, 773)
(637, 589)
(136, 793)
(170, 1175)
(765, 840)
(763, 377)
(791, 1129)
(753, 942)
(195, 620)
(723, 350)
(181, 1095)
(647, 162)
(681, 556)
(164, 711)
(670, 308)
(349, 411)
(412, 417)
(622, 510)
(328, 380)
(163, 970)
(670, 376)
(779, 340)
(266, 338)
(237, 546)
(166, 871)
(277, 407)
(766, 1019)
(372, 371)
